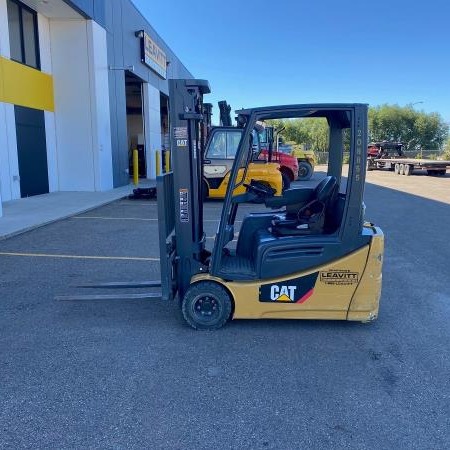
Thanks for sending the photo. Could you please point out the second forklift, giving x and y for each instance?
(220, 151)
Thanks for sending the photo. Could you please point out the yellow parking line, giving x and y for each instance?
(48, 255)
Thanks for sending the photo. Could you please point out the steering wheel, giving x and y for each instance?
(261, 190)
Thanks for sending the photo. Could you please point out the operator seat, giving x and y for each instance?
(311, 217)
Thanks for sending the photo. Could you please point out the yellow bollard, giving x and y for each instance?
(158, 164)
(135, 167)
(167, 161)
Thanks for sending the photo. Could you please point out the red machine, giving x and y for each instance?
(288, 165)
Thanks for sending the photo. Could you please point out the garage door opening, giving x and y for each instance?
(135, 122)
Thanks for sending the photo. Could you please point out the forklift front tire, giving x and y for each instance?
(206, 306)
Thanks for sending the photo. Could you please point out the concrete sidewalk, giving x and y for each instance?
(32, 212)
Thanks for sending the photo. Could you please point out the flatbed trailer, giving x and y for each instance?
(406, 166)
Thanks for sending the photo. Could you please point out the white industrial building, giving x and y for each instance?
(82, 83)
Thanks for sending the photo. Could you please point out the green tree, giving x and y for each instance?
(312, 132)
(416, 129)
(447, 150)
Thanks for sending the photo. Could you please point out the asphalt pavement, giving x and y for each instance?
(132, 374)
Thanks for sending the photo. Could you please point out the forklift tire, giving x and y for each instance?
(401, 169)
(397, 168)
(206, 306)
(408, 169)
(305, 170)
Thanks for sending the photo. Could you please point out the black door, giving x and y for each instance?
(31, 151)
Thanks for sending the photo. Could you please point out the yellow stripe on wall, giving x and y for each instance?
(21, 85)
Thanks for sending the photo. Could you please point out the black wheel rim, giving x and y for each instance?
(302, 171)
(206, 308)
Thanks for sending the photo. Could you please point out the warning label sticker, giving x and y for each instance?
(184, 205)
(180, 132)
(180, 135)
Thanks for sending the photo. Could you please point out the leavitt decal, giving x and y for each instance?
(339, 277)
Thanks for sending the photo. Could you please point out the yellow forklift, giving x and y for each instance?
(220, 151)
(306, 161)
(308, 255)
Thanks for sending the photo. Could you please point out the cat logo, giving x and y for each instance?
(283, 293)
(296, 290)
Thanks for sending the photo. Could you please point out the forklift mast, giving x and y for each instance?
(225, 114)
(182, 239)
(207, 121)
(270, 138)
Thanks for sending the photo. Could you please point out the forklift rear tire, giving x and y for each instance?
(397, 168)
(206, 306)
(305, 170)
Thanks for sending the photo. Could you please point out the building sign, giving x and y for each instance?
(153, 57)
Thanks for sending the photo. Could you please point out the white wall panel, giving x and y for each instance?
(82, 116)
(49, 117)
(9, 166)
(5, 189)
(101, 126)
(152, 119)
(4, 31)
(44, 44)
(69, 48)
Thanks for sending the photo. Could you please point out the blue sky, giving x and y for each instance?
(257, 53)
